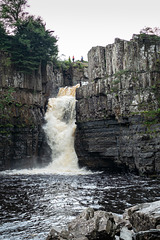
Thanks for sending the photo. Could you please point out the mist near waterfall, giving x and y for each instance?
(60, 131)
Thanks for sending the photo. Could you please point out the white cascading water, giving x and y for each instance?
(60, 129)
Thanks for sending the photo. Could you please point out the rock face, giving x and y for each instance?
(92, 225)
(144, 216)
(80, 73)
(22, 107)
(23, 103)
(118, 112)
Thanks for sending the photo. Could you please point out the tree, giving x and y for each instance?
(12, 13)
(152, 31)
(32, 44)
(3, 37)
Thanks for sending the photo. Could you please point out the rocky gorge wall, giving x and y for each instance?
(118, 112)
(23, 102)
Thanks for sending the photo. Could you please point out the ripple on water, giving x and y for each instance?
(30, 204)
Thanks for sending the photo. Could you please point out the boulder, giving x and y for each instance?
(93, 225)
(90, 225)
(144, 216)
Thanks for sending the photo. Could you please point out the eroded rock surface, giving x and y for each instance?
(92, 225)
(145, 216)
(118, 112)
(89, 224)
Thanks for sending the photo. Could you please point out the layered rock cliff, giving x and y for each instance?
(118, 112)
(23, 103)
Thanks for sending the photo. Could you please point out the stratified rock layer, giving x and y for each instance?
(22, 106)
(23, 102)
(118, 112)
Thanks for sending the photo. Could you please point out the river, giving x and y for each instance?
(30, 205)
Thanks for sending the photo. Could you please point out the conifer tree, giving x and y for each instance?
(32, 45)
(12, 13)
(24, 37)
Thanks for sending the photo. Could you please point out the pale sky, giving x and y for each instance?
(83, 24)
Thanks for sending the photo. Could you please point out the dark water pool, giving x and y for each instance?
(31, 204)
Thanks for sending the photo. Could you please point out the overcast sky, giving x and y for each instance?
(83, 24)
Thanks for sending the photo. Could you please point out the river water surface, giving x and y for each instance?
(30, 205)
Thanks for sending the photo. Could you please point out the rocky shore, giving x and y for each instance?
(139, 222)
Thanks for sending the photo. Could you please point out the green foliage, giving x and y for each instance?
(4, 40)
(63, 65)
(6, 98)
(12, 13)
(150, 31)
(79, 65)
(3, 36)
(116, 81)
(114, 89)
(148, 40)
(121, 72)
(151, 117)
(30, 44)
(152, 38)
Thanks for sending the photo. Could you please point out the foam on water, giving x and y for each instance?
(60, 130)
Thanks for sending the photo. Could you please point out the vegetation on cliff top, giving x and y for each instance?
(24, 37)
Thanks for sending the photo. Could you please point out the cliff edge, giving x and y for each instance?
(118, 112)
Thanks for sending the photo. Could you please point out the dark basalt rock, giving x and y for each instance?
(118, 112)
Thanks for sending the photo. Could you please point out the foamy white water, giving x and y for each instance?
(60, 130)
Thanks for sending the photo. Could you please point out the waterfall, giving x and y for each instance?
(60, 130)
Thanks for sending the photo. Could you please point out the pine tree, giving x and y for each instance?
(32, 45)
(27, 41)
(12, 13)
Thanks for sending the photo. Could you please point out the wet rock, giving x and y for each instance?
(90, 225)
(93, 225)
(148, 235)
(126, 234)
(54, 234)
(144, 216)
